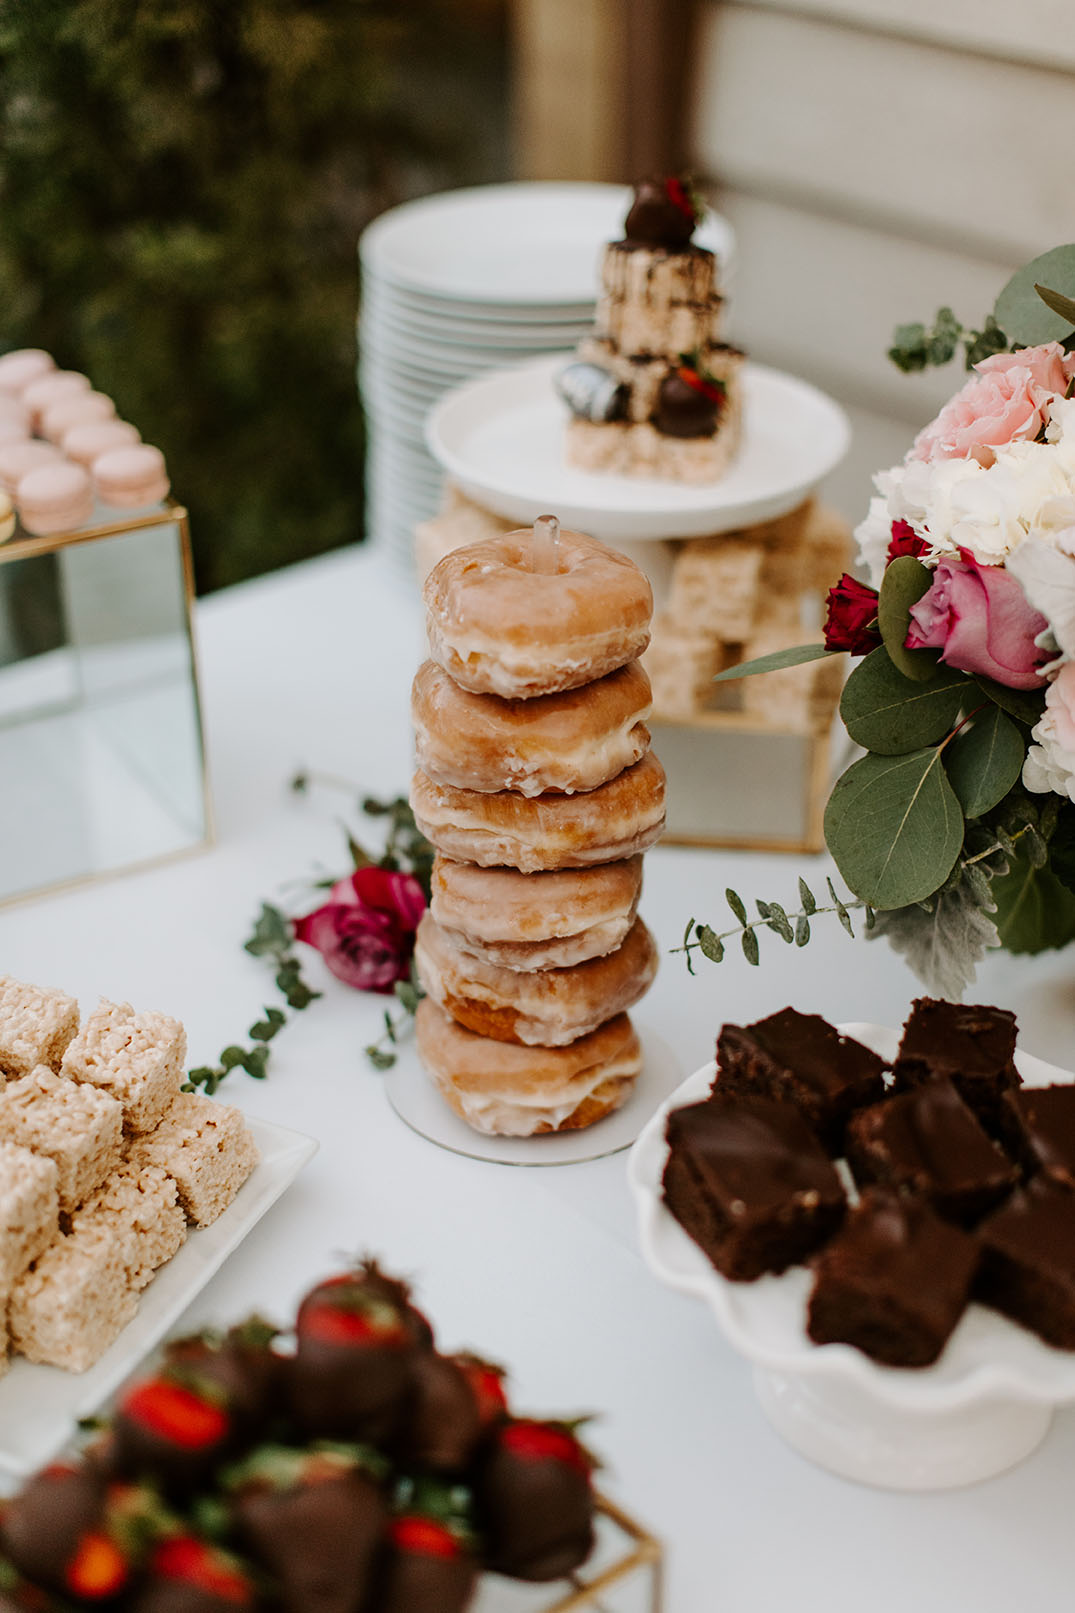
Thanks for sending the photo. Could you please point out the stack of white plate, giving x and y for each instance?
(460, 283)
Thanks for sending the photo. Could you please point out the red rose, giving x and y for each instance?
(365, 931)
(851, 619)
(905, 540)
(981, 621)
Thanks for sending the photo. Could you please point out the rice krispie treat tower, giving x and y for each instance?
(36, 1024)
(655, 391)
(136, 1058)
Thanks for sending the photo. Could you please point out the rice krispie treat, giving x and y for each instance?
(715, 586)
(681, 665)
(36, 1024)
(137, 1058)
(458, 521)
(29, 1210)
(74, 1300)
(644, 450)
(138, 1207)
(803, 697)
(206, 1149)
(78, 1127)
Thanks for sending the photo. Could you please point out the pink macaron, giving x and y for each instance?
(131, 478)
(86, 443)
(17, 458)
(54, 498)
(13, 430)
(80, 409)
(19, 369)
(41, 395)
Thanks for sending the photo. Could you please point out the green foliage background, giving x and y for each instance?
(182, 186)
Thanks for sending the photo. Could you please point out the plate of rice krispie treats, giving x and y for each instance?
(120, 1196)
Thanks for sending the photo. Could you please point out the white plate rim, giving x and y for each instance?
(1047, 1376)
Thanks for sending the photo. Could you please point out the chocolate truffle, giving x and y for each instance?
(1028, 1262)
(688, 404)
(1039, 1129)
(893, 1282)
(750, 1183)
(972, 1044)
(801, 1059)
(928, 1142)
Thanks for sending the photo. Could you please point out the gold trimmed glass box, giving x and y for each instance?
(102, 765)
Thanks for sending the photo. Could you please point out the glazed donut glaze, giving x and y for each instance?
(498, 627)
(536, 921)
(546, 1007)
(531, 833)
(574, 740)
(504, 1089)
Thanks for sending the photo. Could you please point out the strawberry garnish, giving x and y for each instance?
(98, 1568)
(332, 1325)
(538, 1442)
(186, 1558)
(425, 1536)
(680, 197)
(176, 1413)
(487, 1382)
(707, 385)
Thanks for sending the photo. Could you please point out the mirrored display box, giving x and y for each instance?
(102, 761)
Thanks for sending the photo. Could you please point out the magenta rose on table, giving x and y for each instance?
(365, 930)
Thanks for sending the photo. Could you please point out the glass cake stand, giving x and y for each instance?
(981, 1408)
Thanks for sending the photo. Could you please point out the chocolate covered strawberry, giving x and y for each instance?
(429, 1565)
(57, 1532)
(665, 212)
(453, 1400)
(356, 1340)
(534, 1499)
(689, 401)
(314, 1521)
(188, 1575)
(243, 1366)
(175, 1427)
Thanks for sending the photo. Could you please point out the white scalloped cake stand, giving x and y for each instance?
(984, 1406)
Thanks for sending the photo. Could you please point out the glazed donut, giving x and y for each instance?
(570, 741)
(542, 1007)
(506, 1090)
(499, 627)
(536, 921)
(505, 829)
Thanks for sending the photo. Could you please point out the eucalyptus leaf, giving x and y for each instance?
(888, 713)
(985, 760)
(894, 827)
(797, 656)
(1063, 306)
(1019, 309)
(1034, 910)
(1026, 705)
(905, 580)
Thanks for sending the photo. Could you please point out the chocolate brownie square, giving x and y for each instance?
(927, 1142)
(801, 1059)
(1028, 1261)
(1039, 1131)
(750, 1183)
(893, 1282)
(973, 1045)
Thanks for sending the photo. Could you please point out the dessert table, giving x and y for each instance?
(311, 667)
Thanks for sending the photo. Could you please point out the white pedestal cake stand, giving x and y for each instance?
(984, 1405)
(501, 439)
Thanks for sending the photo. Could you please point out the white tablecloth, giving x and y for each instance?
(537, 1268)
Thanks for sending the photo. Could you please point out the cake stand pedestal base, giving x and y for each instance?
(841, 1427)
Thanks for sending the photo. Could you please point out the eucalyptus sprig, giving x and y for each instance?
(409, 994)
(792, 928)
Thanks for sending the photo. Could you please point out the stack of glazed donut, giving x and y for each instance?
(536, 784)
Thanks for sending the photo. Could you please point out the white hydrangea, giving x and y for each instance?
(1050, 761)
(873, 536)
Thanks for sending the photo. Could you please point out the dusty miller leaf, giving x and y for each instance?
(945, 947)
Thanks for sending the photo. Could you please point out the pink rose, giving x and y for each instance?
(981, 621)
(365, 931)
(1004, 401)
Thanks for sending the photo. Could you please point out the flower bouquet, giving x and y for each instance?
(956, 830)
